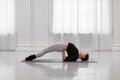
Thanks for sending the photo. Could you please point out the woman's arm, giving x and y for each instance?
(63, 55)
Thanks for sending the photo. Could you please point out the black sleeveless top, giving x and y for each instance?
(72, 52)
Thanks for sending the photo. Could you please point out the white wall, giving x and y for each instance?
(23, 22)
(39, 22)
(32, 23)
(116, 24)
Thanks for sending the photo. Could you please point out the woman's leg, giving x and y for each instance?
(55, 47)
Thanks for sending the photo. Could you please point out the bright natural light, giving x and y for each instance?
(6, 17)
(80, 16)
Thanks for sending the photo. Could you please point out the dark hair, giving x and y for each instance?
(86, 57)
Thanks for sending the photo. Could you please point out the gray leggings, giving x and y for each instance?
(55, 47)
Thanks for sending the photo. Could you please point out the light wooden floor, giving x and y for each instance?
(107, 68)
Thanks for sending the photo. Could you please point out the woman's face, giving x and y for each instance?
(82, 55)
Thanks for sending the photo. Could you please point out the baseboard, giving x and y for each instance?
(116, 47)
(30, 48)
(39, 47)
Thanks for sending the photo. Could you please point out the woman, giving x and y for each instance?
(70, 48)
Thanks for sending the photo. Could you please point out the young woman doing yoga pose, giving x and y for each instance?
(70, 48)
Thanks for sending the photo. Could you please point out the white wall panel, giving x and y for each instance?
(39, 22)
(116, 24)
(23, 22)
(32, 23)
